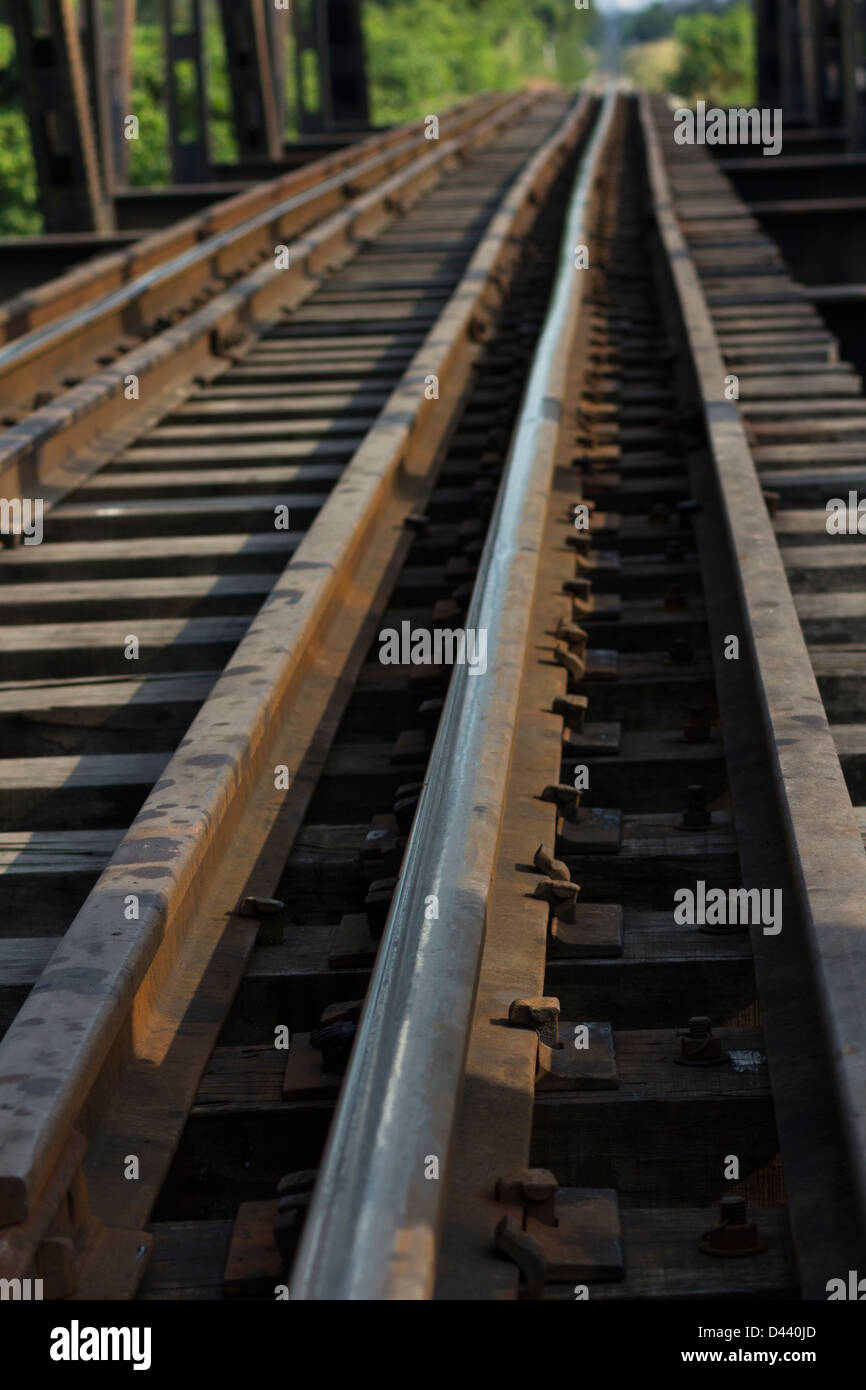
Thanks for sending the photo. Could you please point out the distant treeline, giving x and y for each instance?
(657, 21)
(422, 56)
(697, 50)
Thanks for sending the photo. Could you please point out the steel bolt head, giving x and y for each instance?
(733, 1207)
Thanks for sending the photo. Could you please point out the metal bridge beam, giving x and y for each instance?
(248, 33)
(119, 83)
(183, 44)
(852, 26)
(55, 96)
(331, 31)
(812, 62)
(768, 62)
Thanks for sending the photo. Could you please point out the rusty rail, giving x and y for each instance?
(372, 1230)
(52, 450)
(226, 244)
(83, 284)
(823, 842)
(265, 710)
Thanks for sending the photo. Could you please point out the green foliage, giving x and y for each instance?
(651, 66)
(717, 57)
(422, 55)
(150, 160)
(655, 22)
(19, 208)
(425, 54)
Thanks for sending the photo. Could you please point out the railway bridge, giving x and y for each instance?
(432, 654)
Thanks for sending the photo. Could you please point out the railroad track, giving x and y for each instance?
(471, 426)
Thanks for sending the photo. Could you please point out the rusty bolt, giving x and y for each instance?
(573, 709)
(534, 1189)
(334, 1041)
(696, 816)
(553, 890)
(303, 1181)
(345, 1012)
(573, 664)
(563, 795)
(261, 907)
(698, 1047)
(580, 589)
(735, 1235)
(540, 1013)
(576, 637)
(584, 562)
(552, 868)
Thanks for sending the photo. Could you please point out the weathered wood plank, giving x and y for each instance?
(663, 1260)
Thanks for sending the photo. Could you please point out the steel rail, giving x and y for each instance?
(373, 1227)
(189, 859)
(823, 839)
(82, 283)
(44, 303)
(55, 448)
(27, 361)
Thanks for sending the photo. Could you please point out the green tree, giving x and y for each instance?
(717, 57)
(424, 54)
(150, 160)
(19, 203)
